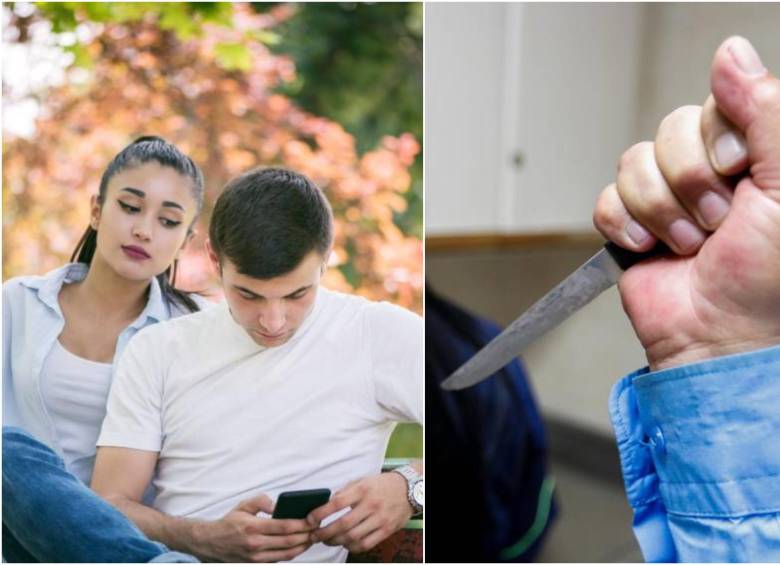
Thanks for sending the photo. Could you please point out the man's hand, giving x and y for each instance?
(241, 536)
(709, 187)
(379, 508)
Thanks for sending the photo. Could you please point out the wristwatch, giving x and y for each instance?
(414, 487)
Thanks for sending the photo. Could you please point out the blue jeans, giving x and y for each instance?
(51, 516)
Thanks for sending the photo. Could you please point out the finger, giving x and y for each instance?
(615, 223)
(682, 158)
(274, 526)
(740, 83)
(368, 542)
(726, 146)
(648, 198)
(749, 96)
(342, 499)
(284, 541)
(260, 503)
(274, 555)
(356, 534)
(342, 525)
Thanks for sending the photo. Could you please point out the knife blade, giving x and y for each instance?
(595, 276)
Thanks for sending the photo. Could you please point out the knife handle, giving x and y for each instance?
(626, 259)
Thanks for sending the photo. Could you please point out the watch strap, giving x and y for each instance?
(412, 478)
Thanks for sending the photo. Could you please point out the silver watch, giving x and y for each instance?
(414, 487)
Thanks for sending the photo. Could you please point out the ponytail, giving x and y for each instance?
(172, 294)
(85, 248)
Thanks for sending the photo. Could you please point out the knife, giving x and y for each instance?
(594, 277)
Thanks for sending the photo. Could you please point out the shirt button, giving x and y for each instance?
(657, 440)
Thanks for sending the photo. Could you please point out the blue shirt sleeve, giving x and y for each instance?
(700, 453)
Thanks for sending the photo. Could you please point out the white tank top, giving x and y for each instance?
(74, 393)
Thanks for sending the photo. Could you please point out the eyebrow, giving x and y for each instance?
(242, 289)
(142, 194)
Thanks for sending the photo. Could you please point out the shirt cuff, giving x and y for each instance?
(712, 428)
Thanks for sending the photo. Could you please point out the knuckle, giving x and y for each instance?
(352, 519)
(291, 540)
(634, 154)
(601, 218)
(362, 489)
(251, 546)
(679, 118)
(766, 95)
(364, 545)
(652, 201)
(601, 211)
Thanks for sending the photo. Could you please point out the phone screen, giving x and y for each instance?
(296, 504)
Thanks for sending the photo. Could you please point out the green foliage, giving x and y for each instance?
(81, 57)
(233, 56)
(185, 19)
(406, 441)
(61, 15)
(358, 64)
(174, 18)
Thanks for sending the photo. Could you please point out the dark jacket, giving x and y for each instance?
(489, 497)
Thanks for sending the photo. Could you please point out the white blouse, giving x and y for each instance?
(74, 392)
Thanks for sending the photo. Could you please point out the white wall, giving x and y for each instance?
(679, 42)
(464, 50)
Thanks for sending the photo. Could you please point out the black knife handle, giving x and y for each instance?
(625, 258)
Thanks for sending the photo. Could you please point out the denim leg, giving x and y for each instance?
(54, 517)
(13, 551)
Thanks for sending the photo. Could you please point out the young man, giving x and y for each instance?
(285, 386)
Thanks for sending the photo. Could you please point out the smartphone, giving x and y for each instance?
(296, 504)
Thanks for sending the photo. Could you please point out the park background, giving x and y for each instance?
(331, 90)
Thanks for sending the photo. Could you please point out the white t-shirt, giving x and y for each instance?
(232, 419)
(74, 392)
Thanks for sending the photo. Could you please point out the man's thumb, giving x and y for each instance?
(749, 95)
(260, 503)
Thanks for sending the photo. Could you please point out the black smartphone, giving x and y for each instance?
(296, 504)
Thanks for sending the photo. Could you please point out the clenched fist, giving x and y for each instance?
(709, 187)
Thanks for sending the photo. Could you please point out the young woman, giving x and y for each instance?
(63, 331)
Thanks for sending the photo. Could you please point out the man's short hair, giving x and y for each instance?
(267, 220)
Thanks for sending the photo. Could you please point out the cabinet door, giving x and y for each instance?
(527, 107)
(464, 72)
(576, 99)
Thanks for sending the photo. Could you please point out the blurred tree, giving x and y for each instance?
(360, 65)
(202, 76)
